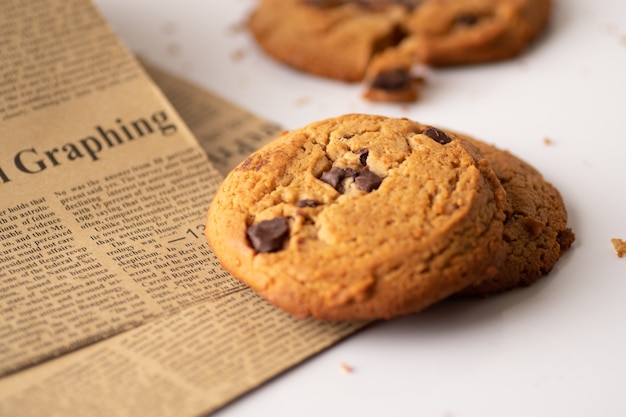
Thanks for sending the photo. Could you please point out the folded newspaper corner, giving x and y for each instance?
(111, 302)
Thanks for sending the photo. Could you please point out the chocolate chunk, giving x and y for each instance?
(307, 203)
(268, 235)
(324, 3)
(363, 154)
(367, 181)
(364, 179)
(369, 4)
(437, 135)
(466, 19)
(391, 80)
(382, 4)
(335, 176)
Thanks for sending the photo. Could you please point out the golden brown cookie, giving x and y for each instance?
(535, 227)
(325, 38)
(359, 217)
(456, 32)
(382, 40)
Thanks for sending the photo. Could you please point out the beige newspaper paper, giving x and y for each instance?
(111, 302)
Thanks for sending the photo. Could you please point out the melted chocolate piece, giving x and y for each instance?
(364, 179)
(368, 4)
(392, 80)
(367, 181)
(325, 3)
(437, 135)
(335, 176)
(466, 19)
(307, 203)
(363, 154)
(268, 235)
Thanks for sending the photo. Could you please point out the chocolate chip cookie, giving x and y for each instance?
(360, 217)
(455, 32)
(326, 38)
(535, 227)
(382, 40)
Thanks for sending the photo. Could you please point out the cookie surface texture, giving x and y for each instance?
(535, 227)
(359, 217)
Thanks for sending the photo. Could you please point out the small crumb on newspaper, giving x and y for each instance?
(620, 247)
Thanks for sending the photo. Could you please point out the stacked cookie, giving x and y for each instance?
(382, 40)
(368, 217)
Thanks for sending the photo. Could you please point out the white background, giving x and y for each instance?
(557, 348)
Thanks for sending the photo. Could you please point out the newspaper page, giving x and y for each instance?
(111, 303)
(103, 188)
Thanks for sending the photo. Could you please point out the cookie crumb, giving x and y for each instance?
(169, 28)
(174, 49)
(547, 141)
(237, 27)
(346, 368)
(238, 54)
(620, 247)
(611, 29)
(302, 101)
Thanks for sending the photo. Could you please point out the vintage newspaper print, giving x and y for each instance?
(110, 299)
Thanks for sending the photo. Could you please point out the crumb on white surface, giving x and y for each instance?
(346, 368)
(169, 28)
(302, 101)
(174, 48)
(620, 247)
(237, 27)
(238, 54)
(547, 141)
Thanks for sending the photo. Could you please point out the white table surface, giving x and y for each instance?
(557, 348)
